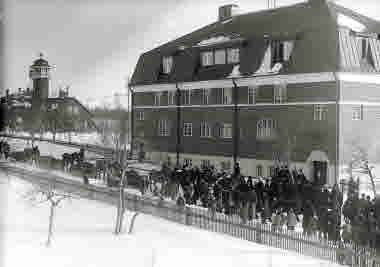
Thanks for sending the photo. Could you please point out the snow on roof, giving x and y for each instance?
(346, 21)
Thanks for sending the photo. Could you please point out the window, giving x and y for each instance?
(266, 128)
(220, 56)
(140, 116)
(205, 130)
(186, 96)
(226, 96)
(54, 106)
(187, 129)
(205, 163)
(277, 52)
(320, 112)
(233, 55)
(279, 93)
(365, 48)
(171, 98)
(188, 161)
(251, 95)
(207, 58)
(259, 171)
(163, 128)
(271, 171)
(357, 113)
(205, 95)
(226, 130)
(157, 99)
(167, 63)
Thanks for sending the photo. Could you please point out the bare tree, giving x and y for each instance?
(48, 193)
(359, 162)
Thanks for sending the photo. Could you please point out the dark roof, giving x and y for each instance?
(312, 24)
(40, 62)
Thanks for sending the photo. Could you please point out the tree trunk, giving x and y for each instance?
(372, 182)
(120, 205)
(51, 220)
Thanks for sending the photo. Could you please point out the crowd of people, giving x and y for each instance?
(362, 220)
(281, 200)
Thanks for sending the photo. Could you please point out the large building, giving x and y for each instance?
(297, 84)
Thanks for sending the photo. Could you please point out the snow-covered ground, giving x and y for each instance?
(83, 237)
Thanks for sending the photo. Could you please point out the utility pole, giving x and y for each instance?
(235, 125)
(178, 100)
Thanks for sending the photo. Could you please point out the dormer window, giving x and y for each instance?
(167, 63)
(220, 56)
(233, 55)
(207, 58)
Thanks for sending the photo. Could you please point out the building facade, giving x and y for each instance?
(295, 85)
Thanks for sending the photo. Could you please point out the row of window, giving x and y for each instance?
(226, 165)
(266, 126)
(280, 51)
(224, 96)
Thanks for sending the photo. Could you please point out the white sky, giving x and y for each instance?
(94, 44)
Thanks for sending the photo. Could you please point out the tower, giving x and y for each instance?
(39, 73)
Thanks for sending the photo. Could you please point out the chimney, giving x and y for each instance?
(228, 11)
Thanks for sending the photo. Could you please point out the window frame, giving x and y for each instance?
(225, 128)
(279, 94)
(259, 170)
(171, 98)
(186, 127)
(205, 96)
(320, 112)
(266, 128)
(163, 128)
(252, 95)
(226, 98)
(210, 58)
(167, 64)
(357, 113)
(186, 97)
(205, 130)
(157, 99)
(233, 58)
(140, 116)
(216, 51)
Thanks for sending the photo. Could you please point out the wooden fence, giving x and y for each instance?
(254, 231)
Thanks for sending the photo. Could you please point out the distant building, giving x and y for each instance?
(295, 83)
(24, 101)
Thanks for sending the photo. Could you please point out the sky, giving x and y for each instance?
(94, 45)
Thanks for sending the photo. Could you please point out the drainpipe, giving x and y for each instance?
(131, 121)
(236, 124)
(337, 129)
(178, 146)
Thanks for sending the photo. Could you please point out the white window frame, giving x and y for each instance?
(205, 163)
(220, 57)
(207, 58)
(259, 171)
(186, 97)
(188, 161)
(320, 112)
(280, 93)
(266, 128)
(167, 64)
(171, 98)
(233, 55)
(140, 115)
(226, 131)
(357, 113)
(205, 129)
(157, 98)
(188, 129)
(226, 96)
(252, 95)
(163, 128)
(205, 96)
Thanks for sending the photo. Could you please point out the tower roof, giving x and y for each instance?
(41, 61)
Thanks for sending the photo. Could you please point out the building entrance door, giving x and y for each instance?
(320, 172)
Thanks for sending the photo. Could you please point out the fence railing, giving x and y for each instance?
(253, 231)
